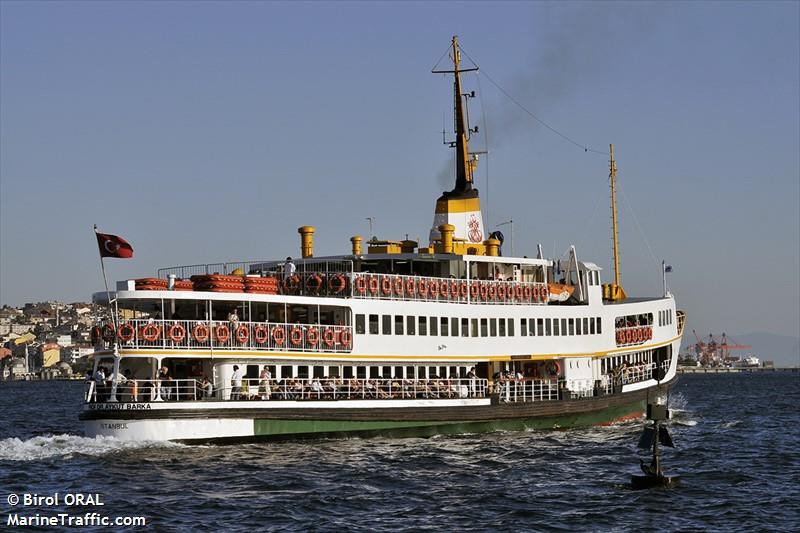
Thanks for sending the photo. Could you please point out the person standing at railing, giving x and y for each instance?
(236, 382)
(165, 383)
(264, 389)
(206, 389)
(289, 268)
(233, 322)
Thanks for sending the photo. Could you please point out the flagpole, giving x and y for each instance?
(115, 371)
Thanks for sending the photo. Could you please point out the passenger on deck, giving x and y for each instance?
(288, 268)
(316, 388)
(165, 383)
(206, 389)
(264, 390)
(236, 382)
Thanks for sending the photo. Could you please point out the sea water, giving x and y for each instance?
(737, 440)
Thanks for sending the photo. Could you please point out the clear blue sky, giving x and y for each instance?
(206, 132)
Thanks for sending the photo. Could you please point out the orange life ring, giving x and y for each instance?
(151, 332)
(527, 293)
(434, 288)
(296, 336)
(278, 335)
(545, 293)
(386, 286)
(649, 333)
(373, 284)
(222, 333)
(97, 334)
(177, 333)
(337, 284)
(361, 285)
(312, 336)
(346, 337)
(329, 337)
(444, 289)
(399, 286)
(126, 332)
(422, 286)
(484, 291)
(518, 292)
(260, 334)
(463, 289)
(620, 337)
(242, 334)
(454, 289)
(314, 283)
(628, 336)
(200, 333)
(492, 290)
(411, 287)
(108, 332)
(473, 290)
(291, 284)
(501, 292)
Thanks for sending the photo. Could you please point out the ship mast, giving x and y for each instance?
(465, 166)
(614, 291)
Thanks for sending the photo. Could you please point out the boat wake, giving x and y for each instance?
(69, 446)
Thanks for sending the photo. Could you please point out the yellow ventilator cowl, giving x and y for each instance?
(356, 240)
(446, 231)
(306, 240)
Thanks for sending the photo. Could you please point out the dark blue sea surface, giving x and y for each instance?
(738, 453)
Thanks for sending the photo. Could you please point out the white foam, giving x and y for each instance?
(68, 446)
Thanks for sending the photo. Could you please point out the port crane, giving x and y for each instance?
(713, 351)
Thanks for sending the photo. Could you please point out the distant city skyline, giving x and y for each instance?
(209, 132)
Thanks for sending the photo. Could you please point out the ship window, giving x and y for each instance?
(443, 324)
(361, 372)
(286, 371)
(302, 372)
(433, 325)
(398, 324)
(442, 372)
(398, 372)
(531, 327)
(555, 327)
(374, 372)
(585, 326)
(578, 328)
(409, 372)
(548, 328)
(333, 371)
(599, 325)
(348, 372)
(421, 372)
(510, 327)
(523, 327)
(410, 325)
(387, 372)
(373, 324)
(563, 327)
(453, 372)
(454, 327)
(572, 326)
(386, 326)
(360, 329)
(474, 327)
(502, 326)
(591, 325)
(484, 327)
(540, 327)
(422, 324)
(493, 327)
(465, 327)
(319, 371)
(252, 372)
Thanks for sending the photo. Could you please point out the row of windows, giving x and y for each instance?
(665, 317)
(280, 372)
(475, 327)
(546, 327)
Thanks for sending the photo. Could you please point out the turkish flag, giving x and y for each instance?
(113, 246)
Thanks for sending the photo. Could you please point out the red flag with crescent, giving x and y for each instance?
(114, 246)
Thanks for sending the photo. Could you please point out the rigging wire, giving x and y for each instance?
(486, 147)
(585, 148)
(639, 226)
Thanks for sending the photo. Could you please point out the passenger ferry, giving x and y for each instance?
(401, 338)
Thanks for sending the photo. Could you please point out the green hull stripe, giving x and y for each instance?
(276, 427)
